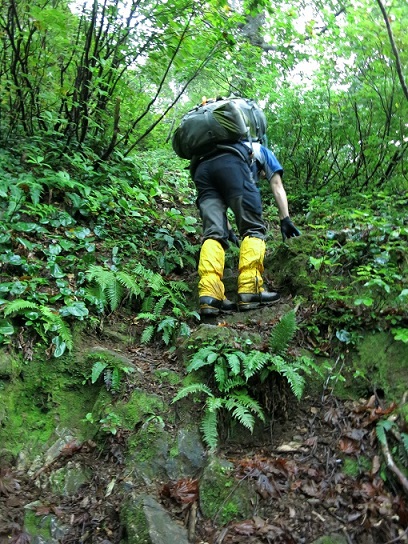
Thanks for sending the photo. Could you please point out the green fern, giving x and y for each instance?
(295, 379)
(234, 361)
(203, 357)
(232, 383)
(131, 285)
(168, 326)
(54, 322)
(18, 305)
(209, 428)
(254, 363)
(191, 390)
(248, 402)
(381, 428)
(220, 373)
(111, 285)
(283, 333)
(240, 413)
(147, 334)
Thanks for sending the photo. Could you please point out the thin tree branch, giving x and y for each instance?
(394, 48)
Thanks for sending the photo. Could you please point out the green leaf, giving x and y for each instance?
(6, 328)
(60, 346)
(97, 369)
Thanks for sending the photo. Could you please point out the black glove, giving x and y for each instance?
(288, 229)
(232, 237)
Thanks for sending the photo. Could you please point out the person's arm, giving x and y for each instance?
(288, 229)
(279, 195)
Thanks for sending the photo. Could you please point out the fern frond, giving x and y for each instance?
(167, 322)
(203, 357)
(214, 403)
(231, 383)
(240, 413)
(54, 322)
(254, 362)
(179, 286)
(147, 306)
(115, 379)
(283, 333)
(209, 429)
(307, 365)
(114, 293)
(126, 280)
(153, 280)
(251, 404)
(100, 276)
(185, 330)
(147, 334)
(158, 307)
(380, 429)
(220, 373)
(65, 333)
(234, 362)
(295, 380)
(16, 306)
(168, 327)
(191, 390)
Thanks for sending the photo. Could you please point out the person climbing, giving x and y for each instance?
(227, 178)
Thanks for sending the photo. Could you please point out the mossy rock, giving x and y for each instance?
(154, 453)
(288, 266)
(223, 498)
(42, 396)
(147, 522)
(10, 364)
(381, 364)
(68, 479)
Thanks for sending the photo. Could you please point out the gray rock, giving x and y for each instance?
(147, 522)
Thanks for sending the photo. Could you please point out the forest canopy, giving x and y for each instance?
(106, 79)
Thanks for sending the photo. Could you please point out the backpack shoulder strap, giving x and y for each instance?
(240, 149)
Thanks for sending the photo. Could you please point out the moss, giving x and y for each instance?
(289, 265)
(379, 364)
(148, 443)
(37, 526)
(167, 376)
(133, 518)
(355, 467)
(133, 411)
(221, 499)
(45, 395)
(10, 364)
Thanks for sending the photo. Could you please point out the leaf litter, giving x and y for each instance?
(301, 475)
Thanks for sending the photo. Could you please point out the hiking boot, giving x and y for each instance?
(213, 306)
(251, 301)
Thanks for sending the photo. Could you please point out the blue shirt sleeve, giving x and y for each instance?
(269, 163)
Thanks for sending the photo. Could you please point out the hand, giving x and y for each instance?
(288, 229)
(232, 237)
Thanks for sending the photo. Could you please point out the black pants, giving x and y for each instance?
(223, 182)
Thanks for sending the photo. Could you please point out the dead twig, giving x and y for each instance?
(392, 466)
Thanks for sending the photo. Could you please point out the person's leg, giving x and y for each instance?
(211, 289)
(247, 208)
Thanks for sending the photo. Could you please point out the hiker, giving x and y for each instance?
(227, 179)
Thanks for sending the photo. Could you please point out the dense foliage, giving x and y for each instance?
(97, 213)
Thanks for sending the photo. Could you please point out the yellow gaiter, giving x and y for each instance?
(211, 270)
(250, 267)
